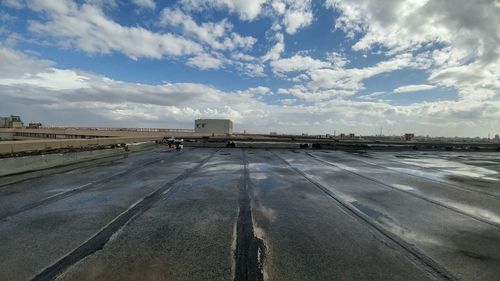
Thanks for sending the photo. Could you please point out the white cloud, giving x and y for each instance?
(217, 35)
(297, 63)
(337, 59)
(55, 79)
(457, 47)
(413, 88)
(463, 36)
(57, 96)
(247, 10)
(149, 4)
(205, 61)
(325, 80)
(250, 69)
(288, 101)
(16, 4)
(350, 79)
(275, 52)
(371, 96)
(310, 95)
(298, 14)
(256, 91)
(88, 29)
(15, 64)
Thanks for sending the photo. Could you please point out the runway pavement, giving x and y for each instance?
(255, 214)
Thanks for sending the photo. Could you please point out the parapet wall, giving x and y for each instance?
(24, 164)
(11, 147)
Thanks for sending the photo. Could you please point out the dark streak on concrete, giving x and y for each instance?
(435, 202)
(99, 240)
(73, 191)
(494, 196)
(415, 255)
(250, 251)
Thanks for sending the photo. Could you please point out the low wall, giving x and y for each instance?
(8, 147)
(16, 165)
(6, 135)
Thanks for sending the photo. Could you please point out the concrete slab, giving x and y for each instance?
(256, 214)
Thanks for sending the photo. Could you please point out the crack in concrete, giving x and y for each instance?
(424, 198)
(79, 189)
(250, 250)
(419, 258)
(99, 240)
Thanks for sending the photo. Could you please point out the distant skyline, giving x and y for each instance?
(428, 67)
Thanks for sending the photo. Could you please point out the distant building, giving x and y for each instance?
(347, 136)
(12, 121)
(34, 125)
(497, 137)
(213, 126)
(409, 136)
(273, 133)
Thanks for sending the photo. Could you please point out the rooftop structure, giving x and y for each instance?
(213, 126)
(12, 121)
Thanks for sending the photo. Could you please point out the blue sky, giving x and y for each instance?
(429, 67)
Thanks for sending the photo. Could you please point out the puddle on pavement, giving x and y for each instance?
(403, 187)
(476, 211)
(223, 167)
(269, 183)
(444, 169)
(452, 167)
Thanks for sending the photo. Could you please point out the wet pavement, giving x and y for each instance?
(255, 214)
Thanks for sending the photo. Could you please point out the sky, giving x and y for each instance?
(431, 67)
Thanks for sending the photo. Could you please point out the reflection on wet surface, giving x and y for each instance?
(317, 214)
(454, 168)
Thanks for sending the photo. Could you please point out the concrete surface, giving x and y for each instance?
(22, 164)
(255, 214)
(7, 147)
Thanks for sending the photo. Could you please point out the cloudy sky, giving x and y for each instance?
(429, 67)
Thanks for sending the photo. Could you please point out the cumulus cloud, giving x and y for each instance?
(413, 88)
(465, 36)
(205, 61)
(297, 63)
(88, 29)
(46, 93)
(297, 14)
(247, 10)
(217, 35)
(15, 64)
(456, 45)
(351, 79)
(275, 52)
(255, 91)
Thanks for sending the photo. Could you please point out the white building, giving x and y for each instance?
(213, 126)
